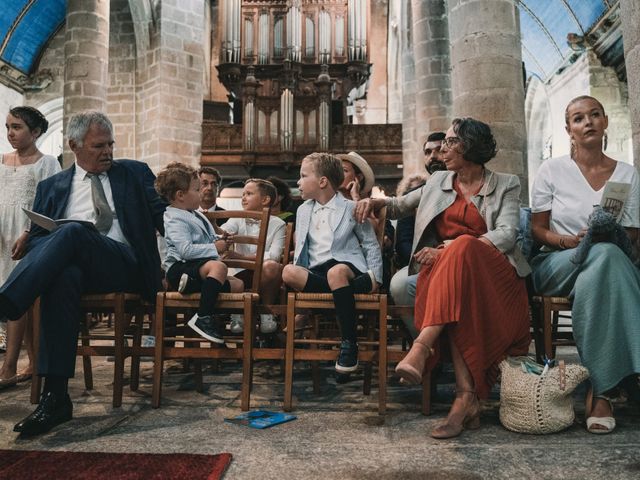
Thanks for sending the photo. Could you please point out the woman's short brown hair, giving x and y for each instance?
(175, 176)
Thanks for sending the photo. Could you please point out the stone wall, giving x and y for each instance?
(121, 93)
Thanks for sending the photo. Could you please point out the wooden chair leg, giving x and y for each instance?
(158, 352)
(119, 350)
(547, 321)
(247, 352)
(315, 366)
(382, 357)
(36, 380)
(138, 321)
(426, 394)
(289, 352)
(86, 359)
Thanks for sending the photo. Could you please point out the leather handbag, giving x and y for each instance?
(536, 399)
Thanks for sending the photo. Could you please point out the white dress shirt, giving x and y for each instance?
(80, 205)
(274, 244)
(321, 229)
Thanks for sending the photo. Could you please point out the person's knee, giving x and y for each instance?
(271, 270)
(294, 276)
(73, 231)
(339, 275)
(215, 269)
(398, 286)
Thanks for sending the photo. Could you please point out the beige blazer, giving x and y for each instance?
(498, 201)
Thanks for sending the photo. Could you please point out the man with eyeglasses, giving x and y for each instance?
(210, 181)
(431, 149)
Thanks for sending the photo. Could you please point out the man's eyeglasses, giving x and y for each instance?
(450, 141)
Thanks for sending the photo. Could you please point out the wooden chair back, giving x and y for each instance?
(259, 241)
(288, 244)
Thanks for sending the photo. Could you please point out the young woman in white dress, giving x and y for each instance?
(20, 172)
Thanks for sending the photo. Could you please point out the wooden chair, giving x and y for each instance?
(374, 350)
(546, 316)
(125, 307)
(245, 303)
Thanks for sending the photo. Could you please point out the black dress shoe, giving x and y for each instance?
(52, 410)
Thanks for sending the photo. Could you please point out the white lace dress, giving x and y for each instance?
(18, 190)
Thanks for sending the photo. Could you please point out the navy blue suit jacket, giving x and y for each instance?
(138, 206)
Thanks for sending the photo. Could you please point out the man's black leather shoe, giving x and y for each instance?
(52, 410)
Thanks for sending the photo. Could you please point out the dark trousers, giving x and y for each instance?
(59, 268)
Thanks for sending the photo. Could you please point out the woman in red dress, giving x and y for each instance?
(471, 296)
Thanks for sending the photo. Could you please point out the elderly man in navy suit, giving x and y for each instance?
(120, 254)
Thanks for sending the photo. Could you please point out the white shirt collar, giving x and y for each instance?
(331, 205)
(82, 173)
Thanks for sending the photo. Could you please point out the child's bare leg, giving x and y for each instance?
(270, 281)
(237, 285)
(295, 277)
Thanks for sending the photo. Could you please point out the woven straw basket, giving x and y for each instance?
(531, 403)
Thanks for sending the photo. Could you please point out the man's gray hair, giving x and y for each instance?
(80, 122)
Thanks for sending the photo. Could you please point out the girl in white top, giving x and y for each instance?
(20, 172)
(605, 288)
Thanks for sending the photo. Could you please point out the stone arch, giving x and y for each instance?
(142, 16)
(52, 142)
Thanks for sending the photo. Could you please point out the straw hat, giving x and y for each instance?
(363, 166)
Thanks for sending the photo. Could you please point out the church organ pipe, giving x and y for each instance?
(323, 143)
(232, 32)
(249, 122)
(248, 37)
(294, 33)
(357, 29)
(286, 120)
(263, 38)
(324, 34)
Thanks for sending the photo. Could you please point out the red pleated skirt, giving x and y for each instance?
(473, 290)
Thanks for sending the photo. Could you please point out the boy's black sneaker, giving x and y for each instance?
(208, 327)
(348, 357)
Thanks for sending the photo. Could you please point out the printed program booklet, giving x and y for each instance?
(50, 224)
(260, 419)
(614, 197)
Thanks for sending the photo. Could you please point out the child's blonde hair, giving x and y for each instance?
(327, 165)
(175, 176)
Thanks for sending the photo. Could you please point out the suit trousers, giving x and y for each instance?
(60, 267)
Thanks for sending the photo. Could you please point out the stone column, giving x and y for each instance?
(487, 76)
(630, 15)
(86, 53)
(431, 53)
(170, 87)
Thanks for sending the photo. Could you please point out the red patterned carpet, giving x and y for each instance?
(36, 465)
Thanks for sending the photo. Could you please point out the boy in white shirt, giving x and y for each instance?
(256, 195)
(333, 252)
(193, 248)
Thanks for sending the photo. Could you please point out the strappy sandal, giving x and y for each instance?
(609, 423)
(409, 372)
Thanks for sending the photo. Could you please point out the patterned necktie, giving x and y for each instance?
(104, 217)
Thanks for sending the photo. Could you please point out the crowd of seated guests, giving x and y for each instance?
(458, 262)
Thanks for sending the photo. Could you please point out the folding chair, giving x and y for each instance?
(167, 346)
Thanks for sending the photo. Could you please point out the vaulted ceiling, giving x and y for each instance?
(26, 26)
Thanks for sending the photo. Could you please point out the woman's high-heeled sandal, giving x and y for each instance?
(609, 423)
(471, 421)
(411, 367)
